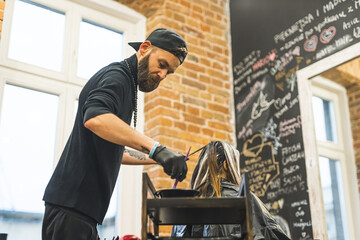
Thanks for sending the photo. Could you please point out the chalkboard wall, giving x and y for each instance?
(271, 40)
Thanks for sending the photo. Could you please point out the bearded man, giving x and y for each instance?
(78, 194)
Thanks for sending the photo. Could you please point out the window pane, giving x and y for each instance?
(37, 35)
(98, 46)
(107, 229)
(333, 196)
(324, 119)
(27, 145)
(76, 105)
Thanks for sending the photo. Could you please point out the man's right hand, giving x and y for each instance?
(173, 163)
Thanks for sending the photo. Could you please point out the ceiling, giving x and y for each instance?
(346, 74)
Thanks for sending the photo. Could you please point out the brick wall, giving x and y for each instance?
(191, 107)
(2, 7)
(348, 76)
(354, 104)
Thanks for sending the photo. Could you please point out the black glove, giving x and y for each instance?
(173, 162)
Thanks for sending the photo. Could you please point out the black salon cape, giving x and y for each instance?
(264, 225)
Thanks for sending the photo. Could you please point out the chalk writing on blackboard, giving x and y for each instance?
(253, 91)
(327, 34)
(298, 26)
(300, 213)
(266, 61)
(356, 32)
(288, 126)
(349, 24)
(269, 134)
(260, 162)
(338, 44)
(262, 104)
(291, 81)
(311, 44)
(246, 130)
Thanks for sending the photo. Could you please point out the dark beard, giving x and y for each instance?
(147, 82)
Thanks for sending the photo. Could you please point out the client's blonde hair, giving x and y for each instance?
(216, 159)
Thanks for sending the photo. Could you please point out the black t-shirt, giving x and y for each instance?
(86, 173)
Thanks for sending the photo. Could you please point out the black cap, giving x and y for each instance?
(167, 40)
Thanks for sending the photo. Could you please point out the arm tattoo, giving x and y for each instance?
(136, 154)
(145, 150)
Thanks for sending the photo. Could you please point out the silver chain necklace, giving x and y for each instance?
(135, 93)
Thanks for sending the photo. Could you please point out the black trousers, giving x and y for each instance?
(65, 224)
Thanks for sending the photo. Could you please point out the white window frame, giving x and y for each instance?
(328, 90)
(17, 65)
(21, 79)
(67, 85)
(339, 151)
(313, 150)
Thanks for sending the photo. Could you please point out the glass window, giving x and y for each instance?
(37, 35)
(333, 196)
(27, 146)
(107, 229)
(76, 105)
(324, 119)
(98, 46)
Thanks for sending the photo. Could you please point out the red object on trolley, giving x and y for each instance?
(129, 237)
